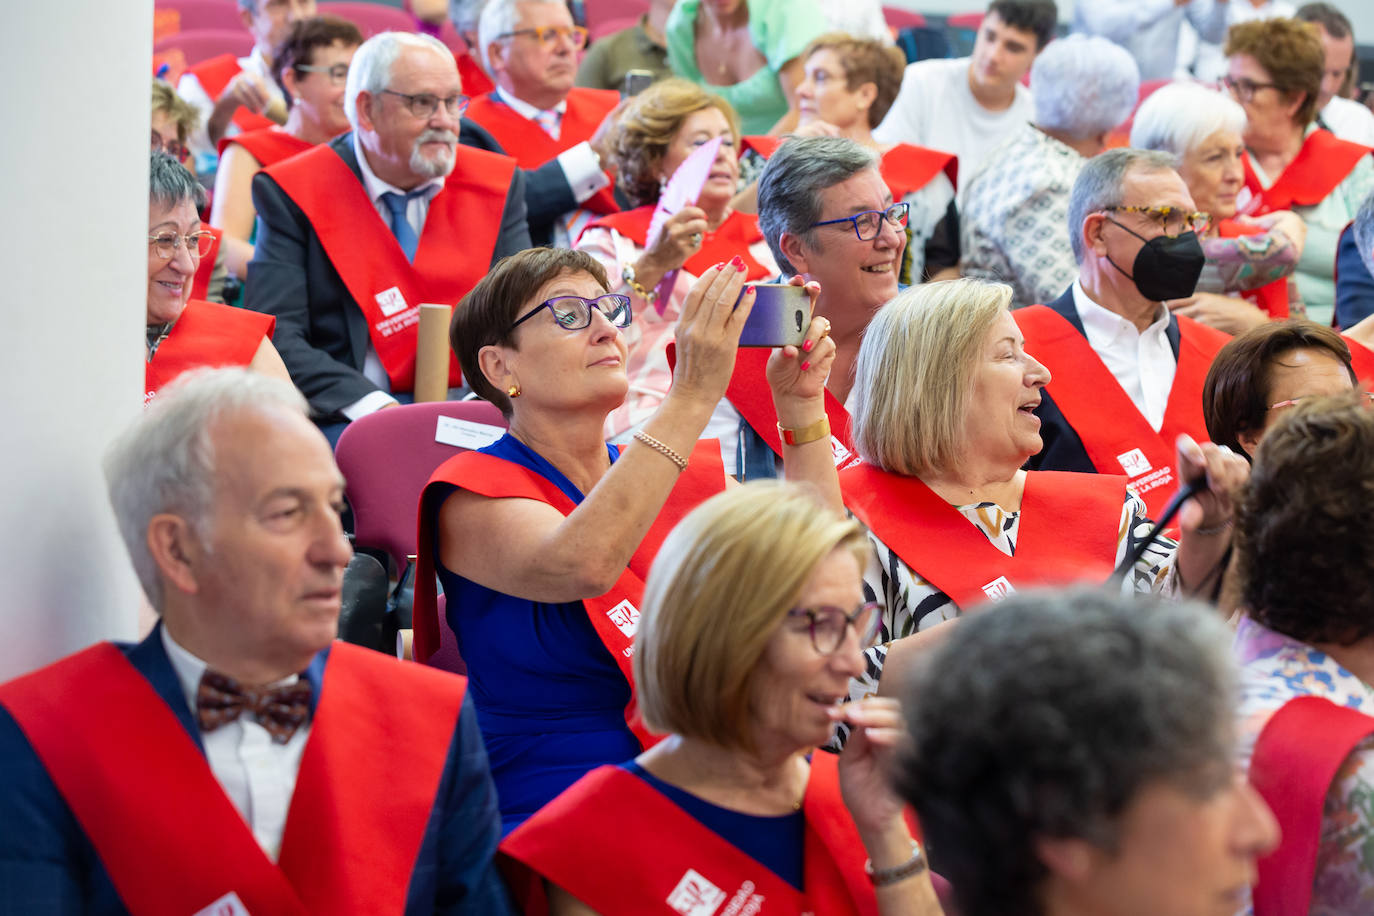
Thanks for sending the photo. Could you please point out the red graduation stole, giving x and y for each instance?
(1321, 164)
(1115, 435)
(532, 146)
(269, 145)
(733, 237)
(130, 772)
(614, 615)
(1272, 296)
(214, 74)
(474, 79)
(455, 250)
(1297, 755)
(905, 167)
(654, 857)
(1361, 360)
(206, 334)
(1068, 531)
(200, 283)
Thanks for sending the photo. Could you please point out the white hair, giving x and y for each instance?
(1179, 116)
(1083, 86)
(370, 70)
(499, 18)
(165, 461)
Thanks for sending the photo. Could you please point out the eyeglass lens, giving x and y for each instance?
(574, 312)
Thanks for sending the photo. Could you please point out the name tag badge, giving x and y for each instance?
(228, 905)
(466, 433)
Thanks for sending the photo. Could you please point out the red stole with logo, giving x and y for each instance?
(614, 615)
(1272, 296)
(200, 283)
(455, 250)
(532, 146)
(213, 75)
(654, 857)
(1067, 533)
(269, 145)
(1114, 433)
(1361, 360)
(905, 168)
(206, 334)
(732, 238)
(131, 774)
(1321, 164)
(1297, 755)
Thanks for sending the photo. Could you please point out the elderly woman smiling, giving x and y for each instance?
(753, 622)
(543, 539)
(943, 418)
(1246, 257)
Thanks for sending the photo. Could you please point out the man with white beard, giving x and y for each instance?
(355, 234)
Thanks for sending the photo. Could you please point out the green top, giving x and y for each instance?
(610, 58)
(780, 29)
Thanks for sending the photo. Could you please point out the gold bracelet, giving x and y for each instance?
(662, 449)
(804, 434)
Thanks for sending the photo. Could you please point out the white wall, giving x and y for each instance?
(74, 162)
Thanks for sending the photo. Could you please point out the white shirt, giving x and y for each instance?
(1208, 63)
(192, 92)
(1349, 120)
(1142, 362)
(860, 18)
(1149, 28)
(256, 773)
(935, 108)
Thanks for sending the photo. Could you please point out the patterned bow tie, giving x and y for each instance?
(281, 710)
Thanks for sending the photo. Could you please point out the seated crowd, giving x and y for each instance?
(1057, 379)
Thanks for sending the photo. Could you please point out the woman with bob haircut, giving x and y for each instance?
(1306, 559)
(659, 129)
(1245, 280)
(944, 420)
(1274, 70)
(753, 621)
(1258, 375)
(543, 539)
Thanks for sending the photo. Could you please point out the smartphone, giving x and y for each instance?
(781, 315)
(636, 81)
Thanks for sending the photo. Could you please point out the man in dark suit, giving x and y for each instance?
(1127, 372)
(354, 235)
(238, 760)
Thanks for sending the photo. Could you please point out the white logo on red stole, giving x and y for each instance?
(1134, 462)
(998, 589)
(228, 905)
(695, 896)
(390, 301)
(626, 618)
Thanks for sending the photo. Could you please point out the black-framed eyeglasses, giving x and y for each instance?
(828, 624)
(869, 223)
(165, 244)
(170, 147)
(423, 105)
(1173, 220)
(573, 313)
(552, 34)
(338, 73)
(1244, 89)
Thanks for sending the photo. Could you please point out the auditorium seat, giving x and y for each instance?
(202, 44)
(370, 17)
(171, 17)
(898, 18)
(598, 11)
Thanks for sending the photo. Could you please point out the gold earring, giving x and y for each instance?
(514, 390)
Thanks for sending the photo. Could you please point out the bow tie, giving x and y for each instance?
(281, 710)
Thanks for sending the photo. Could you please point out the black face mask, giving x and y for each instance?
(1165, 268)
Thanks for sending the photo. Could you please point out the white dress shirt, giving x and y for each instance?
(1349, 120)
(256, 773)
(1149, 29)
(1142, 362)
(194, 94)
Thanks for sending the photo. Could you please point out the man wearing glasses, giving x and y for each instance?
(530, 47)
(355, 234)
(1127, 372)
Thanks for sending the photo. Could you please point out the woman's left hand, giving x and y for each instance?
(875, 731)
(1226, 473)
(798, 374)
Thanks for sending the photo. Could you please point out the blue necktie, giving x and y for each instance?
(400, 226)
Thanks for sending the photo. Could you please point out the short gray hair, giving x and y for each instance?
(1364, 232)
(1046, 717)
(170, 182)
(464, 14)
(370, 70)
(499, 17)
(1100, 186)
(165, 461)
(1083, 85)
(792, 181)
(1181, 116)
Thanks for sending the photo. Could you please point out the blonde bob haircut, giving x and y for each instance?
(719, 589)
(913, 378)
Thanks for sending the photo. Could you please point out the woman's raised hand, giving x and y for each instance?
(875, 731)
(679, 239)
(1226, 473)
(798, 374)
(708, 332)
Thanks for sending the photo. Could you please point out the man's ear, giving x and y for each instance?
(796, 251)
(1094, 225)
(364, 107)
(176, 550)
(496, 57)
(1070, 859)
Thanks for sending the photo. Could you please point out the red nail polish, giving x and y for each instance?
(720, 265)
(750, 289)
(806, 347)
(738, 262)
(806, 365)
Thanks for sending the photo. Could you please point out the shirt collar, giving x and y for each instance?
(525, 109)
(1102, 324)
(376, 187)
(190, 669)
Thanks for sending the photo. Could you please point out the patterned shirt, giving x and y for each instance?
(1014, 220)
(1275, 670)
